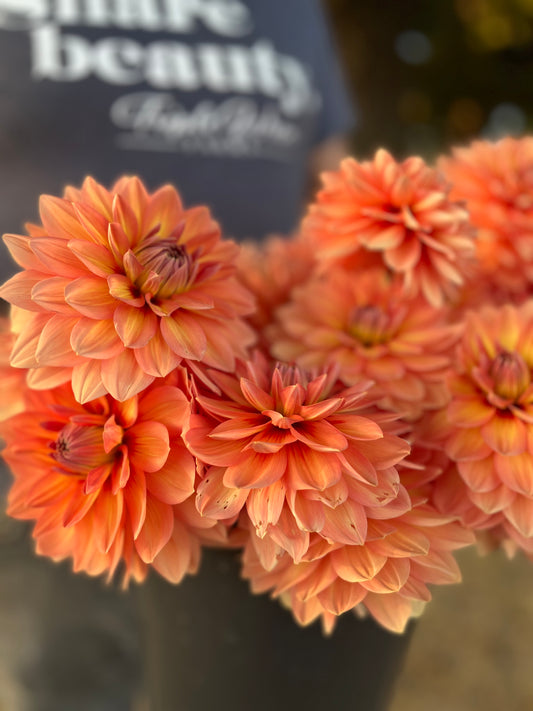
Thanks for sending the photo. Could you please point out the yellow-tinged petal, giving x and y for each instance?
(505, 434)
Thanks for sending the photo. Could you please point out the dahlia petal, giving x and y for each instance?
(18, 289)
(96, 478)
(135, 327)
(391, 578)
(97, 258)
(135, 499)
(95, 339)
(54, 342)
(26, 342)
(95, 194)
(57, 257)
(405, 542)
(505, 434)
(148, 445)
(244, 427)
(357, 427)
(271, 439)
(165, 209)
(156, 530)
(309, 514)
(215, 500)
(19, 248)
(391, 611)
(520, 514)
(309, 469)
(93, 222)
(320, 410)
(467, 444)
(174, 482)
(320, 436)
(356, 465)
(87, 381)
(470, 412)
(59, 218)
(156, 358)
(346, 524)
(264, 506)
(90, 296)
(516, 472)
(122, 289)
(256, 470)
(218, 452)
(107, 516)
(126, 218)
(50, 295)
(184, 336)
(438, 568)
(340, 596)
(491, 502)
(257, 397)
(122, 377)
(165, 404)
(404, 257)
(356, 563)
(482, 474)
(47, 378)
(287, 535)
(47, 490)
(177, 557)
(386, 452)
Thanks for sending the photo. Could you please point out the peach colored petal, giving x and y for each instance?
(95, 339)
(156, 530)
(121, 376)
(90, 296)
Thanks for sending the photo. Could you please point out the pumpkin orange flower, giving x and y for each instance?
(490, 415)
(386, 577)
(495, 179)
(109, 482)
(396, 215)
(364, 325)
(121, 286)
(303, 453)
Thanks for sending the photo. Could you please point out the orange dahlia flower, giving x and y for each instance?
(365, 326)
(398, 215)
(386, 577)
(495, 179)
(301, 452)
(122, 286)
(490, 415)
(107, 482)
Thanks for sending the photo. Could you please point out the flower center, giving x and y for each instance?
(78, 449)
(510, 375)
(170, 262)
(370, 325)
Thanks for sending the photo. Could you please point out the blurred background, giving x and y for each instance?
(426, 76)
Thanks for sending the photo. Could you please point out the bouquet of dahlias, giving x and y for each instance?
(348, 406)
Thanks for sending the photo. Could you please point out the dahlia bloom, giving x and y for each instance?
(495, 179)
(108, 482)
(121, 287)
(397, 215)
(489, 420)
(303, 453)
(365, 326)
(386, 577)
